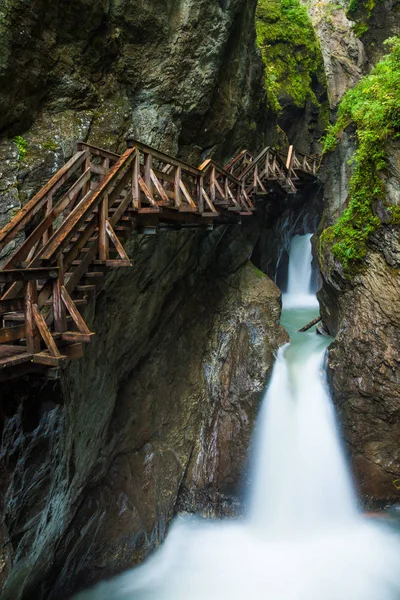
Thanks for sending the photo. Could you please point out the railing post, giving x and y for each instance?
(135, 181)
(177, 186)
(103, 237)
(60, 318)
(200, 199)
(105, 163)
(212, 185)
(147, 169)
(49, 207)
(31, 331)
(290, 159)
(255, 182)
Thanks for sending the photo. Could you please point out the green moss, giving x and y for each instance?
(360, 11)
(257, 272)
(290, 51)
(22, 146)
(50, 144)
(373, 107)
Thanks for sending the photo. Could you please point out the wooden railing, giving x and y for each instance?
(76, 224)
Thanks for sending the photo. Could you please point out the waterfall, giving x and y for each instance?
(303, 537)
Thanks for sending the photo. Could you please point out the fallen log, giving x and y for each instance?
(310, 324)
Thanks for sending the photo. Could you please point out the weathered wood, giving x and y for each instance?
(13, 305)
(73, 311)
(146, 191)
(310, 324)
(81, 212)
(119, 247)
(36, 203)
(159, 187)
(10, 276)
(103, 238)
(188, 197)
(76, 336)
(99, 151)
(177, 186)
(32, 332)
(44, 332)
(12, 334)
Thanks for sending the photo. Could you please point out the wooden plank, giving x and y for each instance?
(12, 361)
(177, 184)
(35, 236)
(103, 238)
(159, 187)
(84, 208)
(44, 332)
(124, 206)
(97, 169)
(12, 334)
(76, 336)
(14, 275)
(73, 311)
(208, 201)
(35, 204)
(146, 191)
(290, 158)
(188, 197)
(135, 180)
(13, 305)
(119, 247)
(169, 160)
(32, 331)
(99, 151)
(43, 358)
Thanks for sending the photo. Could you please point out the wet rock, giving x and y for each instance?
(155, 419)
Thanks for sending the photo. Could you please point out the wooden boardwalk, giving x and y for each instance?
(76, 225)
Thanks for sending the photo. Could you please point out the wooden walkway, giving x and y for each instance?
(75, 228)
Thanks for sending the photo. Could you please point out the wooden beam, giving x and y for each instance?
(73, 311)
(32, 331)
(35, 204)
(159, 188)
(147, 192)
(119, 247)
(13, 275)
(44, 332)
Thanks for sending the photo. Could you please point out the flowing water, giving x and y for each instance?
(303, 537)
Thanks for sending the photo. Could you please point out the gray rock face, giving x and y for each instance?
(156, 418)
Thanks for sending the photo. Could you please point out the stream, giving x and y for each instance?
(303, 535)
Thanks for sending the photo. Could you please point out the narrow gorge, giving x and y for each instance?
(215, 144)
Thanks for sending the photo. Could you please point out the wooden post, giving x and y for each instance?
(60, 320)
(135, 181)
(177, 186)
(212, 185)
(103, 237)
(49, 232)
(147, 171)
(32, 333)
(105, 163)
(290, 158)
(200, 199)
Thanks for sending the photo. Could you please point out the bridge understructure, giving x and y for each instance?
(73, 230)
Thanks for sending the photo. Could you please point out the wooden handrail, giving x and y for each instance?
(26, 214)
(58, 241)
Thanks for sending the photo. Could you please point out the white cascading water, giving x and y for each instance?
(303, 537)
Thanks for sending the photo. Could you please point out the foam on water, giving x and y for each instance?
(303, 536)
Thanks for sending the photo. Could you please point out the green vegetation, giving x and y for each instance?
(360, 11)
(290, 51)
(373, 108)
(22, 146)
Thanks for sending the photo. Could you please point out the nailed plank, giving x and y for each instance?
(44, 358)
(17, 359)
(35, 204)
(73, 311)
(12, 275)
(44, 332)
(42, 228)
(119, 247)
(159, 187)
(99, 151)
(188, 197)
(13, 305)
(85, 208)
(12, 334)
(146, 191)
(77, 336)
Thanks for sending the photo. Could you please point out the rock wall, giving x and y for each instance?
(183, 76)
(155, 419)
(360, 307)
